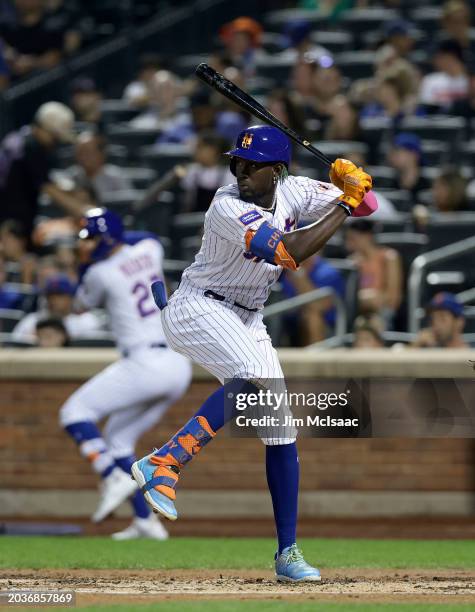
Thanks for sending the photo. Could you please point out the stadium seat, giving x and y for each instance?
(332, 149)
(275, 20)
(426, 18)
(356, 64)
(114, 111)
(131, 138)
(383, 177)
(335, 42)
(435, 127)
(348, 270)
(141, 178)
(164, 157)
(447, 228)
(400, 198)
(9, 318)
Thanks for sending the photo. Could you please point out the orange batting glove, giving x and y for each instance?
(339, 169)
(356, 185)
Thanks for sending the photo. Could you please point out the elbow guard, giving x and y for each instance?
(267, 243)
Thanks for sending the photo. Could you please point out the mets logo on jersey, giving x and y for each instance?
(247, 141)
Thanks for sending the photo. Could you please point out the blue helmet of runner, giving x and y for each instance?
(263, 144)
(105, 224)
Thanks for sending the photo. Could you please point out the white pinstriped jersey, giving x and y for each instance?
(223, 266)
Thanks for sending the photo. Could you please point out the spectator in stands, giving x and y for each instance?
(394, 99)
(449, 83)
(86, 100)
(51, 333)
(380, 271)
(344, 121)
(456, 25)
(242, 39)
(465, 107)
(296, 40)
(14, 248)
(204, 116)
(92, 172)
(10, 297)
(281, 104)
(137, 93)
(64, 16)
(4, 69)
(446, 324)
(47, 267)
(367, 333)
(325, 83)
(164, 109)
(209, 170)
(59, 293)
(405, 156)
(449, 191)
(31, 43)
(26, 159)
(399, 34)
(315, 321)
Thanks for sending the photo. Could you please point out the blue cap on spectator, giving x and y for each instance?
(295, 32)
(398, 27)
(409, 141)
(446, 301)
(59, 284)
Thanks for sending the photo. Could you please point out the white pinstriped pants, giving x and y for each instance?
(226, 340)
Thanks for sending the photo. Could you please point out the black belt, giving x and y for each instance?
(215, 296)
(127, 352)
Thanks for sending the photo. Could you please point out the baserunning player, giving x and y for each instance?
(135, 391)
(215, 317)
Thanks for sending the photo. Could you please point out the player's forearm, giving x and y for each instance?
(306, 241)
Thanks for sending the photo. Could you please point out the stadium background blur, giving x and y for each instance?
(389, 85)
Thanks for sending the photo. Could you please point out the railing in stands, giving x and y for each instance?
(417, 274)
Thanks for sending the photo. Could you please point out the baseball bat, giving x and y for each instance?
(230, 90)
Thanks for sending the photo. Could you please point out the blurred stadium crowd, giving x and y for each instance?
(389, 85)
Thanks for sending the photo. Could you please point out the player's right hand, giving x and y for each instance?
(356, 185)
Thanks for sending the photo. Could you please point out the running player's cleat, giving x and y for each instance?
(149, 527)
(290, 566)
(115, 489)
(149, 476)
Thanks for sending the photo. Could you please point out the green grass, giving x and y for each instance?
(269, 606)
(228, 553)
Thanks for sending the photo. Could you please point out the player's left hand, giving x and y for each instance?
(339, 169)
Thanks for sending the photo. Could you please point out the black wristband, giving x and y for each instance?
(345, 207)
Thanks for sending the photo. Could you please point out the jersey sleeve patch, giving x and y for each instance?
(250, 217)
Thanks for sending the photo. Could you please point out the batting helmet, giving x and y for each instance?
(105, 224)
(261, 143)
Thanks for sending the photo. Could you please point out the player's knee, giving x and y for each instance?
(73, 411)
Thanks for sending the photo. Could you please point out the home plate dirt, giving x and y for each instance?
(121, 586)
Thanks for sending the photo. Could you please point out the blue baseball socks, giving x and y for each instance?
(282, 466)
(92, 446)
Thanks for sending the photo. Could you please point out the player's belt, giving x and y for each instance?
(220, 298)
(128, 352)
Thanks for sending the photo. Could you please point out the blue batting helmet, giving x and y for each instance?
(262, 143)
(105, 224)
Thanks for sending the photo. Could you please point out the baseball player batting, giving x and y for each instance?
(215, 318)
(135, 391)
